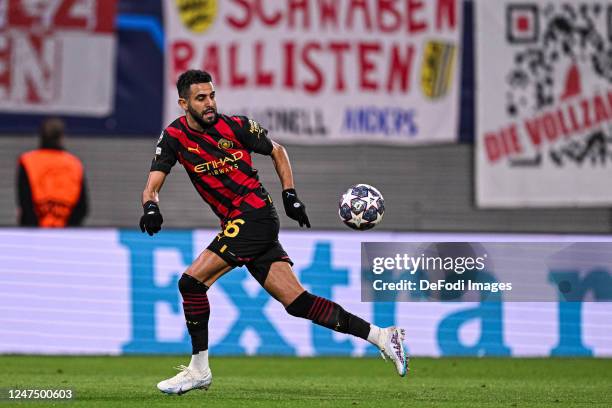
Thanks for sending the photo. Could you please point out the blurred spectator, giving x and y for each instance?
(51, 187)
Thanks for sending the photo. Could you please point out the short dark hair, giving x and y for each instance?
(187, 78)
(51, 133)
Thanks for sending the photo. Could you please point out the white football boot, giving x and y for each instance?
(391, 344)
(186, 380)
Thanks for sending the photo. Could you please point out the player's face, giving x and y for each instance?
(202, 105)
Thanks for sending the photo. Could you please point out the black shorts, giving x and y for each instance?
(251, 239)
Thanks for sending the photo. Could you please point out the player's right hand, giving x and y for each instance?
(152, 219)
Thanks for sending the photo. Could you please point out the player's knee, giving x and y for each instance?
(301, 305)
(189, 284)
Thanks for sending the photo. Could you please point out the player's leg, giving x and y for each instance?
(193, 286)
(240, 240)
(284, 286)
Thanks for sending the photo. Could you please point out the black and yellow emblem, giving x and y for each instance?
(255, 128)
(225, 144)
(437, 68)
(197, 15)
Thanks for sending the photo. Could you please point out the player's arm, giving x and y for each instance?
(152, 219)
(255, 138)
(154, 184)
(165, 158)
(280, 158)
(294, 208)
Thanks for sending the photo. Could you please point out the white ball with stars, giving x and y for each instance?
(362, 207)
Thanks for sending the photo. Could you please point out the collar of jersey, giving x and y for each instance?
(205, 132)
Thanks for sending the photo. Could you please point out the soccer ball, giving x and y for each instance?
(361, 207)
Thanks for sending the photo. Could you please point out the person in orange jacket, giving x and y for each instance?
(51, 186)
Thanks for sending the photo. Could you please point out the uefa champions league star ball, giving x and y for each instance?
(362, 207)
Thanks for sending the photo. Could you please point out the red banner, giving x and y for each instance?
(57, 56)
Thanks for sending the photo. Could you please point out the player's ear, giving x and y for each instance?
(182, 103)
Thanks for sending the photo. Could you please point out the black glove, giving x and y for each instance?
(152, 219)
(294, 208)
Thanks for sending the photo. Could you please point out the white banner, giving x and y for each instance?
(544, 103)
(57, 57)
(112, 291)
(324, 71)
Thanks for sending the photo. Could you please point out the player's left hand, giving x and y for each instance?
(294, 208)
(152, 220)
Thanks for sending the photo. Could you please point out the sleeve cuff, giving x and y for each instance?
(160, 167)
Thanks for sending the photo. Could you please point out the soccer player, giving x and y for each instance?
(215, 149)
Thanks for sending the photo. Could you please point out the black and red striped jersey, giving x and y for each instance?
(218, 161)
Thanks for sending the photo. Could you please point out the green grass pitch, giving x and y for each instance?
(318, 382)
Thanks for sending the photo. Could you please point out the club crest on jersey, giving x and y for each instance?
(225, 144)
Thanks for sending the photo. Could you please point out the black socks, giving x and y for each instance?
(328, 314)
(197, 311)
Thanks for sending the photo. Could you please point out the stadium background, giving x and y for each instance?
(134, 306)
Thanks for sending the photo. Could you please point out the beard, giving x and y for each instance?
(199, 117)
